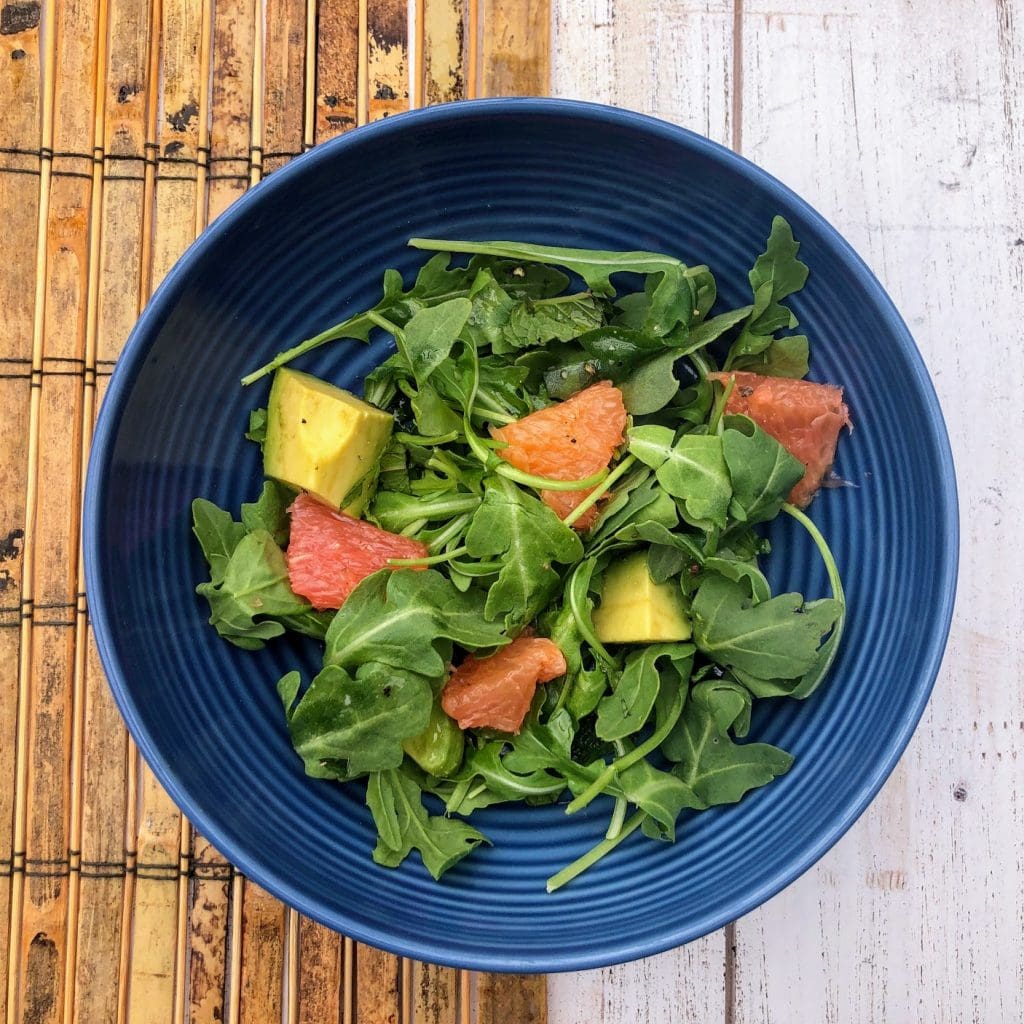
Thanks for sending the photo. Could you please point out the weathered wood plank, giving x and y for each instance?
(284, 72)
(674, 60)
(20, 81)
(320, 973)
(442, 65)
(337, 67)
(515, 48)
(387, 57)
(512, 997)
(377, 986)
(435, 994)
(262, 937)
(913, 147)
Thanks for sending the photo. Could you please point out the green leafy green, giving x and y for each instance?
(528, 538)
(626, 710)
(775, 639)
(691, 469)
(403, 825)
(762, 471)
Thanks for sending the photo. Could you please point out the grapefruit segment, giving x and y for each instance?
(569, 440)
(496, 692)
(802, 416)
(330, 553)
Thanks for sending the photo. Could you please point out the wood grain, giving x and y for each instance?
(913, 147)
(284, 70)
(387, 57)
(511, 997)
(442, 63)
(234, 39)
(337, 67)
(20, 80)
(673, 60)
(319, 973)
(262, 938)
(378, 977)
(434, 997)
(515, 47)
(209, 917)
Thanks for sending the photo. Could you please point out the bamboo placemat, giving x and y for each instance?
(125, 127)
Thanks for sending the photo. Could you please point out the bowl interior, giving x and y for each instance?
(309, 246)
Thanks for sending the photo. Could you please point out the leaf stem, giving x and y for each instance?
(621, 803)
(335, 333)
(718, 410)
(416, 563)
(592, 856)
(605, 779)
(426, 441)
(598, 492)
(449, 532)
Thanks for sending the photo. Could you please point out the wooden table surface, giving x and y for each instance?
(902, 121)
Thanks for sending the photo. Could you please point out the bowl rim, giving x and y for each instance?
(606, 952)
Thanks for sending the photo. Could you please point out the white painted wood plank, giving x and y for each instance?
(673, 59)
(901, 122)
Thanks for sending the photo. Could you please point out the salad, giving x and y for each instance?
(531, 551)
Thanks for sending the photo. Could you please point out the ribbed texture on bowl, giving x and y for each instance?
(308, 247)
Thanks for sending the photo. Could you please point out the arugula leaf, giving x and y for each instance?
(485, 779)
(254, 582)
(218, 535)
(715, 768)
(403, 825)
(521, 279)
(728, 702)
(775, 639)
(763, 472)
(397, 618)
(361, 720)
(692, 470)
(257, 426)
(785, 357)
(429, 336)
(594, 266)
(651, 386)
(739, 570)
(776, 274)
(528, 538)
(627, 709)
(270, 511)
(662, 795)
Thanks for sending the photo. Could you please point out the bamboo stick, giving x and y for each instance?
(442, 50)
(387, 57)
(337, 68)
(284, 82)
(209, 921)
(234, 41)
(20, 81)
(501, 998)
(319, 973)
(262, 956)
(65, 266)
(515, 52)
(81, 646)
(434, 994)
(378, 986)
(122, 221)
(156, 983)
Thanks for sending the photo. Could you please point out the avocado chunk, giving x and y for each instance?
(323, 440)
(636, 610)
(438, 749)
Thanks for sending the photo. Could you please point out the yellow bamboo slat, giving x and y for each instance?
(262, 957)
(442, 62)
(501, 998)
(378, 986)
(387, 57)
(157, 965)
(208, 930)
(515, 47)
(337, 68)
(234, 39)
(320, 970)
(284, 70)
(433, 996)
(20, 80)
(43, 910)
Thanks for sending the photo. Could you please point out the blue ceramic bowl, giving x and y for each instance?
(300, 252)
